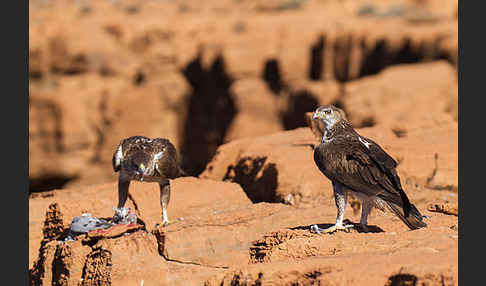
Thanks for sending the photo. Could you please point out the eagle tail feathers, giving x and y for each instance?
(414, 220)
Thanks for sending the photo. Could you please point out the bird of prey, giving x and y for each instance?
(146, 160)
(358, 165)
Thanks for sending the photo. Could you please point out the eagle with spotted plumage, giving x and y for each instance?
(147, 160)
(358, 165)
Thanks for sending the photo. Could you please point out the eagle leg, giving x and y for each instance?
(120, 211)
(365, 211)
(123, 185)
(164, 200)
(340, 198)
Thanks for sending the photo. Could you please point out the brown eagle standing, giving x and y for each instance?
(358, 165)
(146, 160)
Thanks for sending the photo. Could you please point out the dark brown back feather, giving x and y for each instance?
(167, 164)
(370, 171)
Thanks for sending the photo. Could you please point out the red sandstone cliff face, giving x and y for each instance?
(230, 83)
(205, 74)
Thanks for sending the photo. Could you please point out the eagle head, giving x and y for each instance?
(329, 115)
(140, 165)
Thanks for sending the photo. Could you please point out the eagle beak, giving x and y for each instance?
(315, 116)
(141, 168)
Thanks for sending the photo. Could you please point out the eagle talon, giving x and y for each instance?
(331, 229)
(168, 222)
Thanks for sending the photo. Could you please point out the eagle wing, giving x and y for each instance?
(118, 157)
(359, 164)
(165, 156)
(161, 150)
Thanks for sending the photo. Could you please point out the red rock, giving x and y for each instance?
(257, 107)
(222, 231)
(403, 96)
(93, 64)
(106, 58)
(114, 231)
(262, 166)
(144, 199)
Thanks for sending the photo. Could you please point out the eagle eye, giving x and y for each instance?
(327, 111)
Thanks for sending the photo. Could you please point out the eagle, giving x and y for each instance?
(357, 165)
(146, 160)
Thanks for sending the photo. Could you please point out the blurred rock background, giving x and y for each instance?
(203, 73)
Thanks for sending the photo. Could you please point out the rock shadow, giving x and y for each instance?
(402, 279)
(211, 110)
(357, 228)
(271, 75)
(258, 180)
(299, 103)
(317, 59)
(50, 182)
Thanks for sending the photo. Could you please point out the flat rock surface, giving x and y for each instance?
(269, 242)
